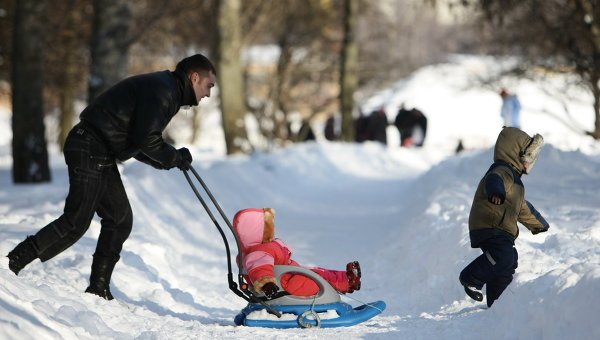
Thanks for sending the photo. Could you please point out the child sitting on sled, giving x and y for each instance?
(255, 229)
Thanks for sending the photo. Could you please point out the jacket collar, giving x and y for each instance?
(516, 171)
(188, 97)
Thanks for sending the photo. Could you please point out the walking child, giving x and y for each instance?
(498, 205)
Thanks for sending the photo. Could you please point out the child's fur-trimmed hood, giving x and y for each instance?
(516, 148)
(254, 226)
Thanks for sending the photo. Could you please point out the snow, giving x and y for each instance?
(401, 212)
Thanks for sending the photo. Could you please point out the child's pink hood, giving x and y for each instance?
(249, 225)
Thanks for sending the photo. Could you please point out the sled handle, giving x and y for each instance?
(224, 217)
(210, 214)
(216, 204)
(232, 284)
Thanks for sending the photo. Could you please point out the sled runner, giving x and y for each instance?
(325, 309)
(305, 311)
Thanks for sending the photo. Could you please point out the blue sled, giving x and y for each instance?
(305, 308)
(348, 316)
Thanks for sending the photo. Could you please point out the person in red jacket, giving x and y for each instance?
(255, 229)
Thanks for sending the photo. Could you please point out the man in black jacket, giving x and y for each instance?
(125, 121)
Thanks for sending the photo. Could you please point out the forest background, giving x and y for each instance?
(325, 56)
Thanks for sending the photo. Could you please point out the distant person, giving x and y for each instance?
(511, 109)
(361, 127)
(498, 205)
(377, 126)
(125, 121)
(331, 129)
(412, 126)
(255, 229)
(305, 133)
(460, 147)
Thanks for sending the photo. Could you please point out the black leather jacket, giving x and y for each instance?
(131, 116)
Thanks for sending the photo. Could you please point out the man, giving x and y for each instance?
(412, 126)
(377, 126)
(511, 109)
(125, 121)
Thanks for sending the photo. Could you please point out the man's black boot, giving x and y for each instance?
(23, 254)
(102, 269)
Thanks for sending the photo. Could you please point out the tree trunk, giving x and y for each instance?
(272, 117)
(30, 156)
(229, 68)
(596, 93)
(588, 10)
(110, 45)
(349, 69)
(196, 125)
(280, 130)
(69, 74)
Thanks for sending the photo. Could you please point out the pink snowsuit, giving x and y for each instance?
(261, 251)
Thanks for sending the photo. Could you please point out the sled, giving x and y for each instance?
(325, 309)
(304, 311)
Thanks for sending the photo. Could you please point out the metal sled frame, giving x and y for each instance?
(306, 308)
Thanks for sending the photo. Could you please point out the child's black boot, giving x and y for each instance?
(472, 291)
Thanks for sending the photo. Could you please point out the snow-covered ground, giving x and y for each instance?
(401, 212)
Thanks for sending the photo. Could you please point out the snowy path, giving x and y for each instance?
(406, 228)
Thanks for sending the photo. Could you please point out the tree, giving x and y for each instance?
(162, 35)
(276, 20)
(30, 157)
(110, 44)
(304, 77)
(229, 72)
(555, 36)
(398, 37)
(6, 32)
(65, 64)
(349, 69)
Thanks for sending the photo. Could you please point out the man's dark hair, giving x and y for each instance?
(196, 63)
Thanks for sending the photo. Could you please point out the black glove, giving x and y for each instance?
(184, 159)
(270, 289)
(535, 232)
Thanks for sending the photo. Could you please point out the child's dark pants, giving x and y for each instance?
(494, 268)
